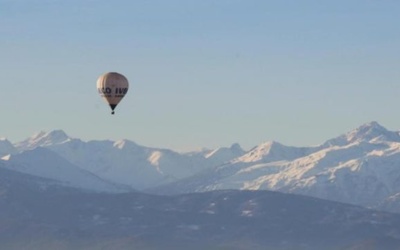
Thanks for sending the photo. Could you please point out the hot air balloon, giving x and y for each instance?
(112, 87)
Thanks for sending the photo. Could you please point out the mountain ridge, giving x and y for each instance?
(358, 167)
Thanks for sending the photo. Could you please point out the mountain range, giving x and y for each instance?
(360, 167)
(59, 192)
(37, 213)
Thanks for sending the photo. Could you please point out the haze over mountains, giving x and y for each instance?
(360, 167)
(37, 213)
(58, 192)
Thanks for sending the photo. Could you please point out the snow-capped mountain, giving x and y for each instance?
(360, 167)
(44, 163)
(126, 162)
(223, 154)
(274, 151)
(49, 171)
(43, 139)
(366, 132)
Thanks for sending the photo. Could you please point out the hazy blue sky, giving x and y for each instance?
(203, 73)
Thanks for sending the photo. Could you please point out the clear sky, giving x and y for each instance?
(202, 73)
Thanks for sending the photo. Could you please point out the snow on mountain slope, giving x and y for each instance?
(126, 162)
(261, 155)
(222, 155)
(43, 139)
(6, 147)
(361, 167)
(366, 132)
(354, 174)
(274, 151)
(44, 163)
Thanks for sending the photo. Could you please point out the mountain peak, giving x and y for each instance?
(6, 147)
(42, 139)
(224, 154)
(369, 127)
(374, 124)
(371, 131)
(263, 151)
(269, 147)
(58, 135)
(235, 147)
(367, 132)
(121, 144)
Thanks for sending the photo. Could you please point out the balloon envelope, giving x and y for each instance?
(112, 87)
